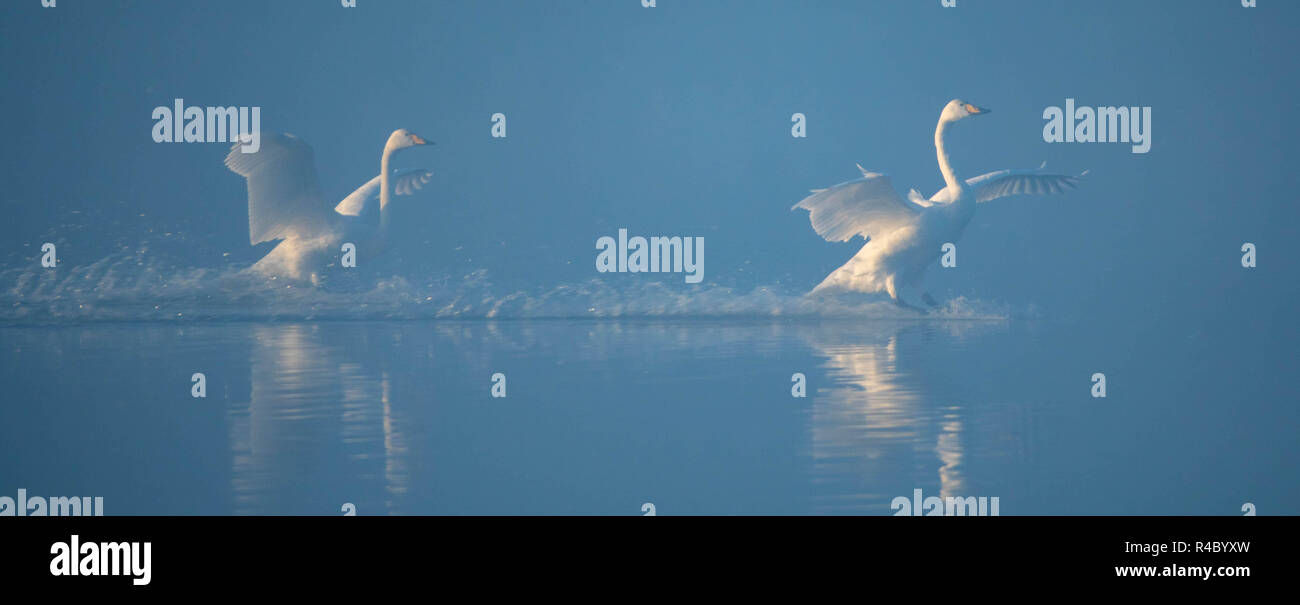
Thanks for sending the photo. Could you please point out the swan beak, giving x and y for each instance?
(419, 140)
(976, 110)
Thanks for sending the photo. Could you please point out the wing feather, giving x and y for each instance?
(359, 201)
(407, 183)
(284, 195)
(1004, 183)
(868, 206)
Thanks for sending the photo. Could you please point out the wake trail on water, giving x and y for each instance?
(127, 286)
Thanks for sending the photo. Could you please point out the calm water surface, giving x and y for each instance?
(695, 416)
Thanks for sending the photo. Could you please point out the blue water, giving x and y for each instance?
(374, 388)
(602, 416)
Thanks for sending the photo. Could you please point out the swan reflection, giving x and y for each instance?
(889, 421)
(315, 413)
(397, 418)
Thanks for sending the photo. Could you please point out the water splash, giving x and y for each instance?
(124, 286)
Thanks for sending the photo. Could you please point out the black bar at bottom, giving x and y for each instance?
(323, 553)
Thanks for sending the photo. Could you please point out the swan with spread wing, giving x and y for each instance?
(285, 202)
(905, 235)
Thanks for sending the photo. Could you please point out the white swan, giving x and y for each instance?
(905, 235)
(285, 202)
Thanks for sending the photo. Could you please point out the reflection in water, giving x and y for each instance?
(314, 412)
(395, 474)
(329, 412)
(695, 416)
(886, 425)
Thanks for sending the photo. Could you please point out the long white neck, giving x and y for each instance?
(384, 189)
(945, 166)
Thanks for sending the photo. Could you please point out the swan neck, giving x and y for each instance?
(945, 166)
(384, 188)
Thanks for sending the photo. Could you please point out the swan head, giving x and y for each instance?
(403, 138)
(957, 109)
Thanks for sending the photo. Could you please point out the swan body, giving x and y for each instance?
(905, 235)
(285, 203)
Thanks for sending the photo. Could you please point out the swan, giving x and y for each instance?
(285, 203)
(903, 236)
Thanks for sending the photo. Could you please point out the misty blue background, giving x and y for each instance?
(676, 121)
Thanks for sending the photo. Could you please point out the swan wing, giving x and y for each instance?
(359, 201)
(407, 183)
(868, 206)
(355, 202)
(1005, 183)
(284, 195)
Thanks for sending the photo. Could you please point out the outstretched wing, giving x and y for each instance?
(284, 196)
(365, 197)
(407, 183)
(1004, 183)
(868, 206)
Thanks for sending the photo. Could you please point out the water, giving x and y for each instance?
(694, 415)
(374, 388)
